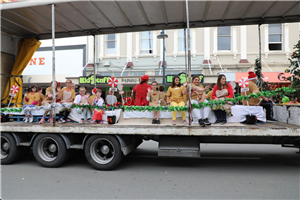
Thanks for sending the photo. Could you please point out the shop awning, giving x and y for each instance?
(80, 18)
(271, 77)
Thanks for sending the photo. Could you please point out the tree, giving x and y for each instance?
(262, 85)
(294, 70)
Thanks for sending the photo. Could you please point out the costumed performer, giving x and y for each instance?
(67, 96)
(42, 97)
(98, 113)
(141, 90)
(200, 114)
(162, 95)
(93, 96)
(153, 98)
(265, 102)
(31, 99)
(48, 102)
(175, 98)
(83, 100)
(221, 91)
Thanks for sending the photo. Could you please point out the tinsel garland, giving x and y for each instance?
(282, 91)
(211, 104)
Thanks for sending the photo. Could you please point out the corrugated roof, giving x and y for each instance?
(79, 18)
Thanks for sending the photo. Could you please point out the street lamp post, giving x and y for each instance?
(163, 36)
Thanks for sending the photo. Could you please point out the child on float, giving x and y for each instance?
(42, 97)
(48, 100)
(67, 96)
(153, 98)
(162, 95)
(83, 99)
(175, 98)
(200, 114)
(31, 99)
(98, 113)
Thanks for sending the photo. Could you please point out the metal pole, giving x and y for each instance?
(95, 68)
(259, 38)
(53, 65)
(164, 67)
(189, 62)
(185, 63)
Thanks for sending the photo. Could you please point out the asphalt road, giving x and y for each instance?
(223, 172)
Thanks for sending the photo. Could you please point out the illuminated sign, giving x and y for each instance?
(182, 77)
(90, 79)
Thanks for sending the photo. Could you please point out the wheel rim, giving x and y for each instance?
(48, 149)
(102, 151)
(5, 147)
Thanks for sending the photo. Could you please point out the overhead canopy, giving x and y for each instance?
(79, 18)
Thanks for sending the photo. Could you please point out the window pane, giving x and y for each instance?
(274, 38)
(105, 73)
(274, 28)
(180, 32)
(224, 43)
(146, 44)
(111, 51)
(146, 35)
(111, 37)
(180, 44)
(274, 47)
(119, 74)
(175, 72)
(137, 73)
(146, 51)
(110, 45)
(224, 30)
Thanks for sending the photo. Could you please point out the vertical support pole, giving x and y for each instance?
(259, 39)
(189, 61)
(53, 65)
(186, 73)
(164, 64)
(95, 68)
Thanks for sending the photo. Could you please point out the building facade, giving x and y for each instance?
(214, 50)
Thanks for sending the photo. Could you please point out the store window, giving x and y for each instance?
(119, 74)
(111, 44)
(106, 73)
(146, 42)
(137, 73)
(224, 38)
(181, 39)
(275, 37)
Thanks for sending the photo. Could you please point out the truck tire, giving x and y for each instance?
(10, 152)
(49, 150)
(103, 152)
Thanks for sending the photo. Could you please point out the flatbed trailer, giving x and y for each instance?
(105, 145)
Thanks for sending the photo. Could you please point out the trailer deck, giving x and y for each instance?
(143, 127)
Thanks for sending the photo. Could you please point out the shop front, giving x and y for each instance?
(274, 79)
